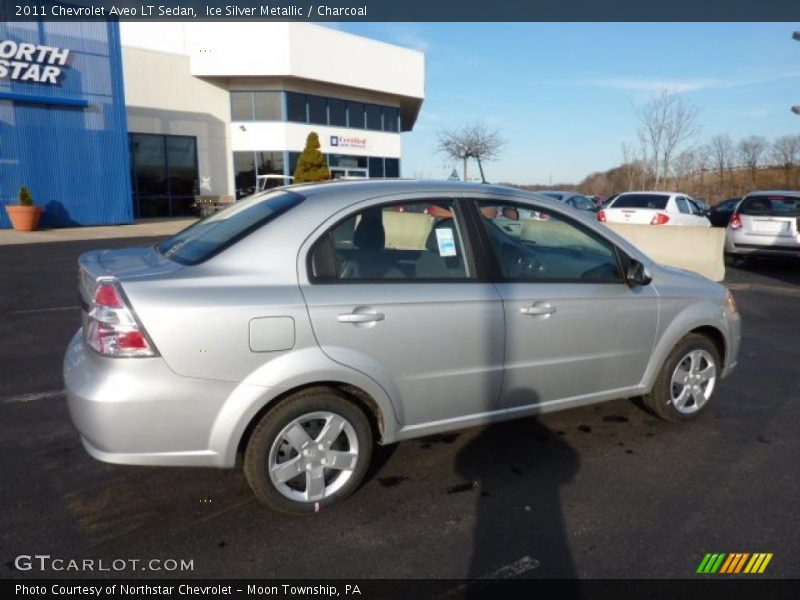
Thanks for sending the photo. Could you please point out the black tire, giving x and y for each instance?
(304, 403)
(659, 401)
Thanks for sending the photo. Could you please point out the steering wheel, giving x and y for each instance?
(604, 271)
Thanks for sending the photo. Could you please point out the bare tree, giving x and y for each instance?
(667, 122)
(785, 152)
(720, 152)
(750, 151)
(631, 166)
(684, 165)
(473, 140)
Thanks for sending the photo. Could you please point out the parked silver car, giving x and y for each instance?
(302, 325)
(766, 224)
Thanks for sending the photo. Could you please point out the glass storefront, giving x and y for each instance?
(247, 166)
(163, 174)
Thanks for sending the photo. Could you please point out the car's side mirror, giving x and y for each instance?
(637, 274)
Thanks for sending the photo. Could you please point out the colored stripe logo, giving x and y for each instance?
(734, 563)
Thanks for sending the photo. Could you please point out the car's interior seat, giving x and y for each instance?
(370, 259)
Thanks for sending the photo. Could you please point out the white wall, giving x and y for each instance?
(162, 97)
(278, 136)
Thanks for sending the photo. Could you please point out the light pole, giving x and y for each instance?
(796, 37)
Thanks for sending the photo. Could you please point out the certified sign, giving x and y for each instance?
(348, 141)
(21, 61)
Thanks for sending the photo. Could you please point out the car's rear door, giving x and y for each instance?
(393, 290)
(575, 329)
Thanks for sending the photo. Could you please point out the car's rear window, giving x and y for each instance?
(211, 236)
(652, 201)
(770, 205)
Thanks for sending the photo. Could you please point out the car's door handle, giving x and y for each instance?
(538, 309)
(360, 317)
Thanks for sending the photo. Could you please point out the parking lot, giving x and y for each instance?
(603, 491)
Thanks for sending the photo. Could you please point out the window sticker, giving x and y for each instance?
(446, 241)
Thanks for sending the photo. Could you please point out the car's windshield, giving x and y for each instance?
(651, 201)
(210, 236)
(771, 206)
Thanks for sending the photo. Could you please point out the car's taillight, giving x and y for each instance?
(735, 222)
(601, 216)
(659, 219)
(111, 328)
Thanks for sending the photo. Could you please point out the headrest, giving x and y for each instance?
(370, 234)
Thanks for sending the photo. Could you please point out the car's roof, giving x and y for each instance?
(342, 193)
(653, 193)
(793, 193)
(563, 192)
(372, 187)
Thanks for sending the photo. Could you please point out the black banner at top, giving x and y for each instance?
(401, 10)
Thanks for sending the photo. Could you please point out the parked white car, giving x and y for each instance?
(765, 223)
(654, 208)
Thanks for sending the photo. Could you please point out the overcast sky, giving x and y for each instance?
(563, 94)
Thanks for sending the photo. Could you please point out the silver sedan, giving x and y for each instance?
(302, 325)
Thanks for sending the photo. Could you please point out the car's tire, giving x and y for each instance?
(684, 387)
(290, 457)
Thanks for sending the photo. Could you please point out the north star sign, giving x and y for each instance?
(20, 61)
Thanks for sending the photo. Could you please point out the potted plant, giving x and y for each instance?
(25, 215)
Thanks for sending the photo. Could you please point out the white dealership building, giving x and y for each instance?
(217, 106)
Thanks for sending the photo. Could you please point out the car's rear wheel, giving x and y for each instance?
(687, 380)
(310, 451)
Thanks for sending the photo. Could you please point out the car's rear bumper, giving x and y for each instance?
(137, 411)
(746, 244)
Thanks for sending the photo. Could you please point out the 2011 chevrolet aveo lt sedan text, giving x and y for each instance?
(301, 326)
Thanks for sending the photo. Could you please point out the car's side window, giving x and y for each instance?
(542, 246)
(683, 205)
(420, 240)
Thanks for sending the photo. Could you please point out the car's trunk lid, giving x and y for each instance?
(123, 265)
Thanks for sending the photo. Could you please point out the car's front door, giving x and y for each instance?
(392, 291)
(575, 329)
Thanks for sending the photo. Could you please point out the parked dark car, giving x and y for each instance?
(720, 214)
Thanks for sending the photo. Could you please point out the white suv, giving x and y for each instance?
(765, 223)
(654, 208)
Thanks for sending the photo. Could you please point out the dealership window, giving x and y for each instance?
(268, 106)
(374, 117)
(163, 174)
(392, 167)
(375, 166)
(247, 166)
(242, 106)
(355, 115)
(296, 107)
(337, 111)
(391, 118)
(256, 106)
(317, 110)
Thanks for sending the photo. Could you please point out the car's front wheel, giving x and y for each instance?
(308, 452)
(687, 380)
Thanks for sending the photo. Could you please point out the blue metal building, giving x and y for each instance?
(63, 129)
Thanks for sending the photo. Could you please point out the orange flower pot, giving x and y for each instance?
(24, 218)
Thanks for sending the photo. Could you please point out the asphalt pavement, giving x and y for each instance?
(604, 491)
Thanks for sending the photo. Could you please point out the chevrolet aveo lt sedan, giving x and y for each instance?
(297, 328)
